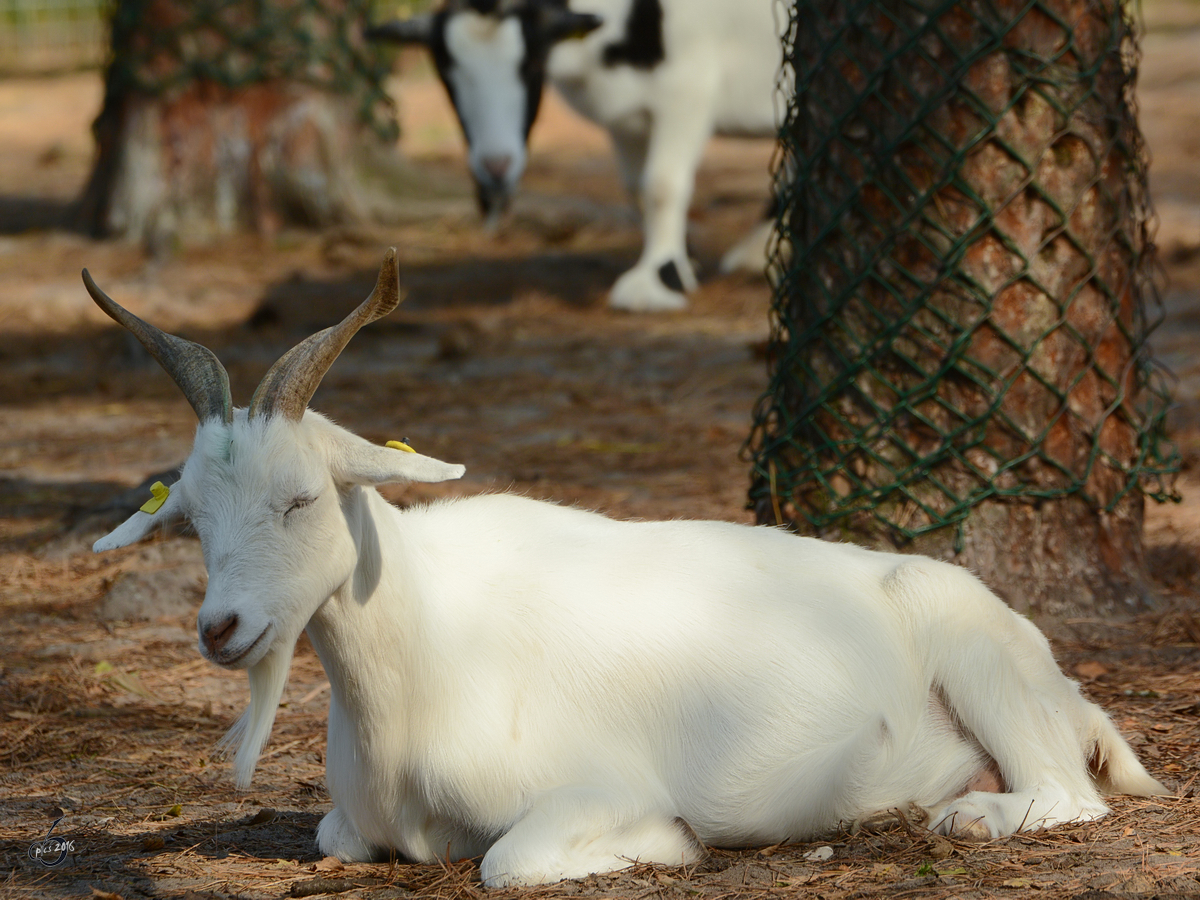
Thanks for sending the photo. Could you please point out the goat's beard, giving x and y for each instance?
(250, 732)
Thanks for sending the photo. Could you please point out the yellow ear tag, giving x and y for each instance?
(161, 492)
(400, 445)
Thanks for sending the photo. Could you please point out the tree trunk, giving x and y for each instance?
(226, 116)
(959, 365)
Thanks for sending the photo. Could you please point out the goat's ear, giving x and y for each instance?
(139, 525)
(366, 463)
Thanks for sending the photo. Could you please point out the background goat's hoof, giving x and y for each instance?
(642, 290)
(750, 254)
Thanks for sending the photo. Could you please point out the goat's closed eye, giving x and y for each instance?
(298, 503)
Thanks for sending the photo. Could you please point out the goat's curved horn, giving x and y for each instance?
(289, 385)
(559, 23)
(196, 369)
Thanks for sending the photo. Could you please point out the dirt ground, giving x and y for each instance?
(504, 358)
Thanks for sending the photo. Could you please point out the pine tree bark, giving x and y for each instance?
(963, 306)
(222, 117)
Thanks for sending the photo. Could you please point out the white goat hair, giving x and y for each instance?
(564, 693)
(662, 76)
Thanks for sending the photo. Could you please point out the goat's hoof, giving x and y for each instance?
(889, 819)
(969, 821)
(976, 830)
(642, 290)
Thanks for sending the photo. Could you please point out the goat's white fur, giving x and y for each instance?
(561, 692)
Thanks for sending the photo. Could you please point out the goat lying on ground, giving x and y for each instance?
(564, 693)
(661, 75)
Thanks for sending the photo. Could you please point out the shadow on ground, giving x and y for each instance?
(21, 214)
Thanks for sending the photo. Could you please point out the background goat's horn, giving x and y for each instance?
(194, 368)
(413, 30)
(291, 382)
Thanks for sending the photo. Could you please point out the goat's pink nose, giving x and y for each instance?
(218, 634)
(497, 166)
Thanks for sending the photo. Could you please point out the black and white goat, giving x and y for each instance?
(661, 75)
(562, 693)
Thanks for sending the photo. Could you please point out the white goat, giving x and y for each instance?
(564, 693)
(661, 75)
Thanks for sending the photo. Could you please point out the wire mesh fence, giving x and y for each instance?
(964, 276)
(44, 36)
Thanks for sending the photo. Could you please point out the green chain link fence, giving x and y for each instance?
(233, 45)
(962, 267)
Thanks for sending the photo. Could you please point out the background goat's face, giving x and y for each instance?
(494, 78)
(491, 56)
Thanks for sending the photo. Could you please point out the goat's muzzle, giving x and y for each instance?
(217, 635)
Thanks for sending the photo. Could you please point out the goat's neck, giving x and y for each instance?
(361, 632)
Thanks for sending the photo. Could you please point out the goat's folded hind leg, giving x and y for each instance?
(997, 676)
(576, 833)
(982, 815)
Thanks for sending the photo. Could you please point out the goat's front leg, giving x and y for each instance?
(630, 147)
(575, 832)
(682, 123)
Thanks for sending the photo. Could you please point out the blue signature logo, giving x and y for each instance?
(51, 851)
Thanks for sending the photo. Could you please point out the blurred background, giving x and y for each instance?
(503, 357)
